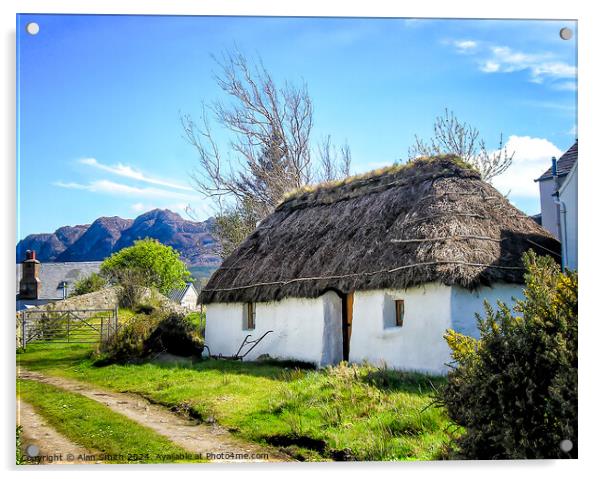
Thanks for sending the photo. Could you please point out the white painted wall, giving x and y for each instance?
(569, 195)
(465, 304)
(311, 329)
(417, 345)
(302, 327)
(549, 218)
(189, 299)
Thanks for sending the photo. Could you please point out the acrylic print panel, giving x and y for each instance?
(222, 215)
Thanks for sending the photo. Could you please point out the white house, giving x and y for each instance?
(568, 205)
(43, 283)
(549, 184)
(373, 268)
(186, 296)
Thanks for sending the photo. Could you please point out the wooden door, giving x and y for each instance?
(347, 321)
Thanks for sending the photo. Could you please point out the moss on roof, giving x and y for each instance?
(387, 170)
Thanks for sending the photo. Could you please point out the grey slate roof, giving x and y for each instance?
(564, 164)
(537, 218)
(53, 274)
(176, 295)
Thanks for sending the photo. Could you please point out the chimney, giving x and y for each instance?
(554, 167)
(30, 285)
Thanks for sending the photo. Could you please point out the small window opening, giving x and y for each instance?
(249, 313)
(399, 312)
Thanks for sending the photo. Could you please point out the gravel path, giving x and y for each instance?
(211, 441)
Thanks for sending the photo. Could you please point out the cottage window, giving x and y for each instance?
(249, 314)
(399, 312)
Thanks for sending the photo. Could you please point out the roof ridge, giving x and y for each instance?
(359, 185)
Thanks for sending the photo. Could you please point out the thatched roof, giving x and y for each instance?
(433, 219)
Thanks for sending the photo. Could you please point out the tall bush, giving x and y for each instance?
(515, 389)
(89, 284)
(150, 263)
(145, 336)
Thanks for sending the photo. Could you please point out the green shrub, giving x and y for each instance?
(176, 335)
(20, 456)
(127, 345)
(515, 390)
(144, 308)
(132, 291)
(90, 284)
(146, 335)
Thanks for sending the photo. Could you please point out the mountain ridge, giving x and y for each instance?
(109, 234)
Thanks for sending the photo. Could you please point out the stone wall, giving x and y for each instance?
(107, 298)
(104, 299)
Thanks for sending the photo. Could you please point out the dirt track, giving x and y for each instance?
(211, 441)
(44, 442)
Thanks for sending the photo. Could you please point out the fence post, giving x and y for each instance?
(68, 327)
(24, 339)
(116, 318)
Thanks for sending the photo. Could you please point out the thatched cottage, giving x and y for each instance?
(374, 268)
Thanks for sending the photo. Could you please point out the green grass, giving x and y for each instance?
(20, 458)
(358, 412)
(95, 426)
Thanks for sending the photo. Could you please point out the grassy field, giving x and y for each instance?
(346, 412)
(95, 426)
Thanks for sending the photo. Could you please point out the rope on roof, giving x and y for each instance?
(445, 238)
(371, 273)
(462, 237)
(417, 219)
(542, 247)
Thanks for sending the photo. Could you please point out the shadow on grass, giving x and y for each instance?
(45, 356)
(271, 369)
(403, 381)
(61, 356)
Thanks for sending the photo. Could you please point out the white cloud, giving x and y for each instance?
(139, 207)
(541, 65)
(129, 172)
(566, 86)
(532, 156)
(180, 208)
(490, 67)
(70, 185)
(465, 46)
(120, 189)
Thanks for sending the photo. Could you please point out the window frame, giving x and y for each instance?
(249, 316)
(399, 312)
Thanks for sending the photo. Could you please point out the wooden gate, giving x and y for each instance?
(68, 326)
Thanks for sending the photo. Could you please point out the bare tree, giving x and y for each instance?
(269, 146)
(451, 136)
(232, 226)
(334, 163)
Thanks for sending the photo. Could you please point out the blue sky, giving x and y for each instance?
(99, 99)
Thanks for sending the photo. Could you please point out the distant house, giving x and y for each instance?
(374, 268)
(549, 184)
(186, 296)
(42, 283)
(558, 197)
